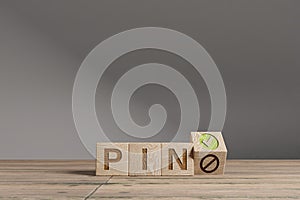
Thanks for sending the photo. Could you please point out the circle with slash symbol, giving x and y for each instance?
(209, 163)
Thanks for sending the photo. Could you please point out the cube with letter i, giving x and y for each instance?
(144, 159)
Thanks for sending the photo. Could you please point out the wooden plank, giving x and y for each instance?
(144, 159)
(243, 179)
(176, 159)
(48, 179)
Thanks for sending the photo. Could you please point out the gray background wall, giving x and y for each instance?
(255, 44)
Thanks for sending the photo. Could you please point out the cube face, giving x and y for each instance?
(112, 159)
(176, 159)
(144, 159)
(208, 141)
(209, 163)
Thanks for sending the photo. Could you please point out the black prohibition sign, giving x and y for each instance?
(215, 159)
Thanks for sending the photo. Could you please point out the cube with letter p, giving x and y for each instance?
(112, 159)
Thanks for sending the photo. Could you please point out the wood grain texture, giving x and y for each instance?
(183, 165)
(144, 159)
(48, 179)
(209, 161)
(112, 159)
(195, 137)
(243, 179)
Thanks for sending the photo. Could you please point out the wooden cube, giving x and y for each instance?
(144, 159)
(176, 159)
(112, 159)
(209, 153)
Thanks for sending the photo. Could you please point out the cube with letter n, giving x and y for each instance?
(177, 159)
(112, 159)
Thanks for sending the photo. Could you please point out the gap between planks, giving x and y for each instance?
(95, 190)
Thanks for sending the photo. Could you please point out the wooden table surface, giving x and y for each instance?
(243, 179)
